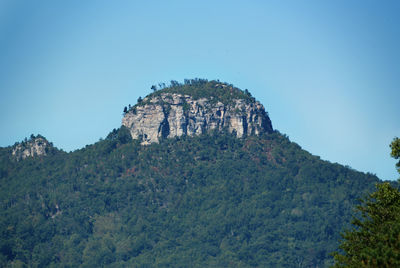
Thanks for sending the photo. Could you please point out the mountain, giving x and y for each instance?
(195, 177)
(195, 108)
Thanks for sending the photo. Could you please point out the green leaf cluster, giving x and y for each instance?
(395, 153)
(374, 241)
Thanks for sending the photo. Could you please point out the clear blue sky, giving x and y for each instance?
(328, 72)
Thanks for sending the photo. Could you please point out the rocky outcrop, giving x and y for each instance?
(36, 146)
(169, 115)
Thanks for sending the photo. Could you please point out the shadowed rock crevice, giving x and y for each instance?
(164, 126)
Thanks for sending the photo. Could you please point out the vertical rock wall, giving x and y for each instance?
(170, 115)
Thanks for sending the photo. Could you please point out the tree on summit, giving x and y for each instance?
(174, 83)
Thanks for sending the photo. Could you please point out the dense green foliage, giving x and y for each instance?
(395, 153)
(374, 240)
(209, 200)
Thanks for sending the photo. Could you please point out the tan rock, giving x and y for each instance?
(170, 115)
(31, 148)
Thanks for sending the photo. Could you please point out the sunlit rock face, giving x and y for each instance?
(170, 115)
(34, 147)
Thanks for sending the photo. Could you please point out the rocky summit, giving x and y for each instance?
(35, 146)
(172, 113)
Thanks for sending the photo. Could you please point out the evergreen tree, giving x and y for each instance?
(395, 146)
(375, 239)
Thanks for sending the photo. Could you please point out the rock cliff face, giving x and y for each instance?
(34, 147)
(171, 114)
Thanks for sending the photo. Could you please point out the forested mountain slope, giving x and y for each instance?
(204, 200)
(191, 201)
